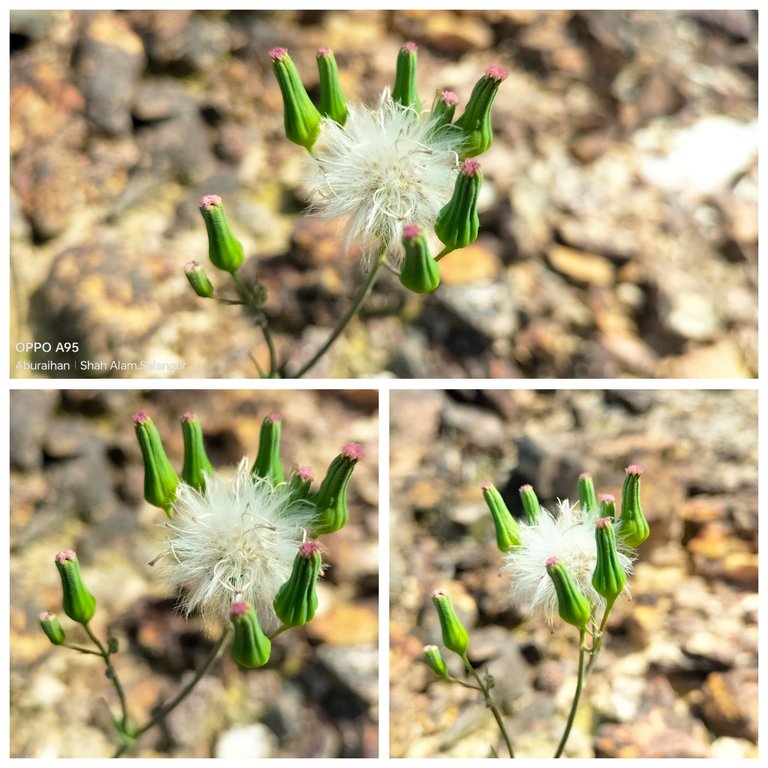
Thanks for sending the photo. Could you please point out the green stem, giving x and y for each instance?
(279, 631)
(167, 708)
(598, 643)
(576, 695)
(246, 294)
(111, 671)
(362, 294)
(490, 704)
(82, 650)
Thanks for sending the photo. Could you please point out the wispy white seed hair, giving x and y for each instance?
(235, 541)
(383, 169)
(570, 537)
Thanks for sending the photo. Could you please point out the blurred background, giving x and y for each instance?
(619, 214)
(677, 676)
(77, 483)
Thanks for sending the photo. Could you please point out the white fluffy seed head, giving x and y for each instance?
(235, 540)
(570, 537)
(383, 169)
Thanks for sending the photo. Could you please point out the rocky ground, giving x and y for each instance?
(678, 673)
(619, 213)
(77, 482)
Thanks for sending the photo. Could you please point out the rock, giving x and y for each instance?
(247, 741)
(29, 417)
(716, 361)
(729, 705)
(467, 265)
(447, 32)
(693, 316)
(581, 267)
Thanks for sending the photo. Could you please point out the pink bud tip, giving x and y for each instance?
(410, 231)
(323, 51)
(449, 97)
(354, 451)
(602, 522)
(410, 47)
(46, 615)
(274, 416)
(191, 266)
(496, 72)
(551, 560)
(65, 554)
(525, 488)
(140, 417)
(278, 53)
(486, 486)
(438, 593)
(188, 416)
(306, 473)
(585, 476)
(209, 201)
(607, 497)
(470, 167)
(634, 469)
(308, 548)
(239, 608)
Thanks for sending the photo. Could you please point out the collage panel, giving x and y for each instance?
(194, 573)
(578, 567)
(535, 194)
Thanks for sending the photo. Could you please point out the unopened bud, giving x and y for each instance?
(443, 108)
(434, 658)
(224, 250)
(419, 272)
(632, 527)
(455, 636)
(457, 224)
(609, 577)
(587, 493)
(302, 120)
(267, 462)
(331, 498)
(333, 103)
(300, 482)
(199, 281)
(296, 601)
(607, 506)
(49, 623)
(405, 91)
(475, 122)
(250, 646)
(197, 465)
(507, 528)
(572, 606)
(160, 479)
(78, 603)
(530, 504)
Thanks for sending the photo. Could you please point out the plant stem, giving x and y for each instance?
(167, 708)
(111, 671)
(576, 695)
(82, 650)
(490, 704)
(362, 294)
(598, 643)
(246, 294)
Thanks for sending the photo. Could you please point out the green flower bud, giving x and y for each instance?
(434, 658)
(199, 281)
(250, 647)
(405, 91)
(160, 479)
(443, 108)
(507, 529)
(302, 120)
(197, 465)
(609, 577)
(455, 636)
(296, 601)
(267, 462)
(457, 224)
(530, 504)
(333, 103)
(49, 623)
(475, 122)
(78, 603)
(300, 482)
(587, 493)
(572, 606)
(419, 272)
(632, 527)
(607, 506)
(331, 498)
(224, 250)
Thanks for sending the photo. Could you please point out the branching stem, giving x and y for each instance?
(577, 694)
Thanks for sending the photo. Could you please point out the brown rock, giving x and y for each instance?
(730, 703)
(580, 266)
(475, 262)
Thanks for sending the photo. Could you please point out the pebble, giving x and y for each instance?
(247, 741)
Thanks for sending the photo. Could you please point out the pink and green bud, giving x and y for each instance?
(250, 646)
(296, 601)
(49, 623)
(199, 281)
(572, 606)
(197, 466)
(475, 122)
(333, 103)
(609, 578)
(457, 223)
(405, 91)
(530, 504)
(160, 479)
(267, 462)
(455, 636)
(443, 108)
(301, 118)
(507, 528)
(419, 272)
(300, 482)
(78, 603)
(608, 505)
(632, 527)
(434, 658)
(224, 250)
(331, 498)
(587, 493)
